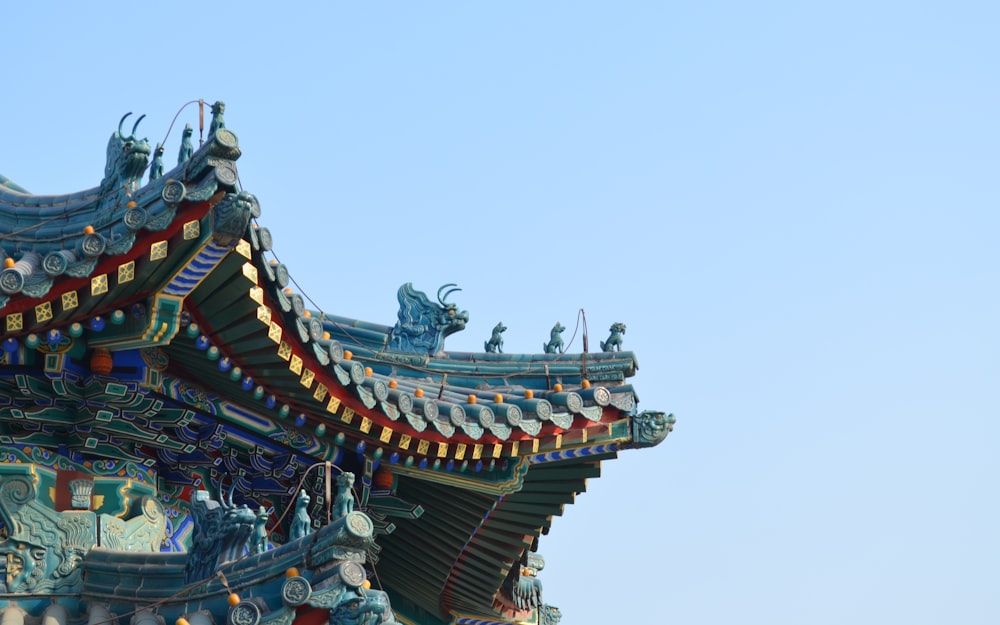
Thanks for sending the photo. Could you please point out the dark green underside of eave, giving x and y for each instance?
(455, 557)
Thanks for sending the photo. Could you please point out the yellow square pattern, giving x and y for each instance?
(422, 447)
(460, 451)
(250, 272)
(274, 333)
(558, 441)
(264, 315)
(404, 441)
(366, 425)
(477, 452)
(158, 250)
(284, 351)
(320, 393)
(347, 416)
(307, 378)
(43, 312)
(243, 248)
(442, 450)
(192, 230)
(15, 322)
(126, 272)
(333, 405)
(70, 300)
(295, 366)
(534, 446)
(497, 450)
(257, 295)
(386, 435)
(514, 448)
(99, 284)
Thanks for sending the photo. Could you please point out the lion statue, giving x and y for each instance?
(614, 342)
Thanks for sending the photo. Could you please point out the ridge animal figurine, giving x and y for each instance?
(495, 344)
(343, 503)
(156, 168)
(615, 340)
(259, 540)
(555, 344)
(301, 523)
(187, 148)
(217, 122)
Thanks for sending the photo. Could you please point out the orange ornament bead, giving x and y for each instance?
(291, 572)
(557, 388)
(393, 384)
(348, 355)
(498, 398)
(233, 598)
(383, 479)
(528, 394)
(418, 393)
(88, 230)
(585, 384)
(101, 361)
(473, 399)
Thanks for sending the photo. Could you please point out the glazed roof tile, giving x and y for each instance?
(241, 364)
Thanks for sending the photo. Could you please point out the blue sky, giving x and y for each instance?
(792, 206)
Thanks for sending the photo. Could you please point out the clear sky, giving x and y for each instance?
(792, 206)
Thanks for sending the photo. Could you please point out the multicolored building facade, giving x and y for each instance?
(183, 441)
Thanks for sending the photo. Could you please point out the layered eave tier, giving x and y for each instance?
(223, 317)
(208, 345)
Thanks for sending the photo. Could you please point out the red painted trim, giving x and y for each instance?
(139, 248)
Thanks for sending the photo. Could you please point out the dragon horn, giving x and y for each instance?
(122, 122)
(441, 289)
(141, 117)
(452, 291)
(442, 299)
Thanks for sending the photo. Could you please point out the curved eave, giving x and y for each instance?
(114, 282)
(249, 330)
(59, 243)
(489, 447)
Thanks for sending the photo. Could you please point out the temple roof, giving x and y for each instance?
(218, 367)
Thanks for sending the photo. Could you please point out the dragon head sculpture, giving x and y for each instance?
(366, 607)
(450, 319)
(549, 615)
(423, 325)
(127, 158)
(651, 427)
